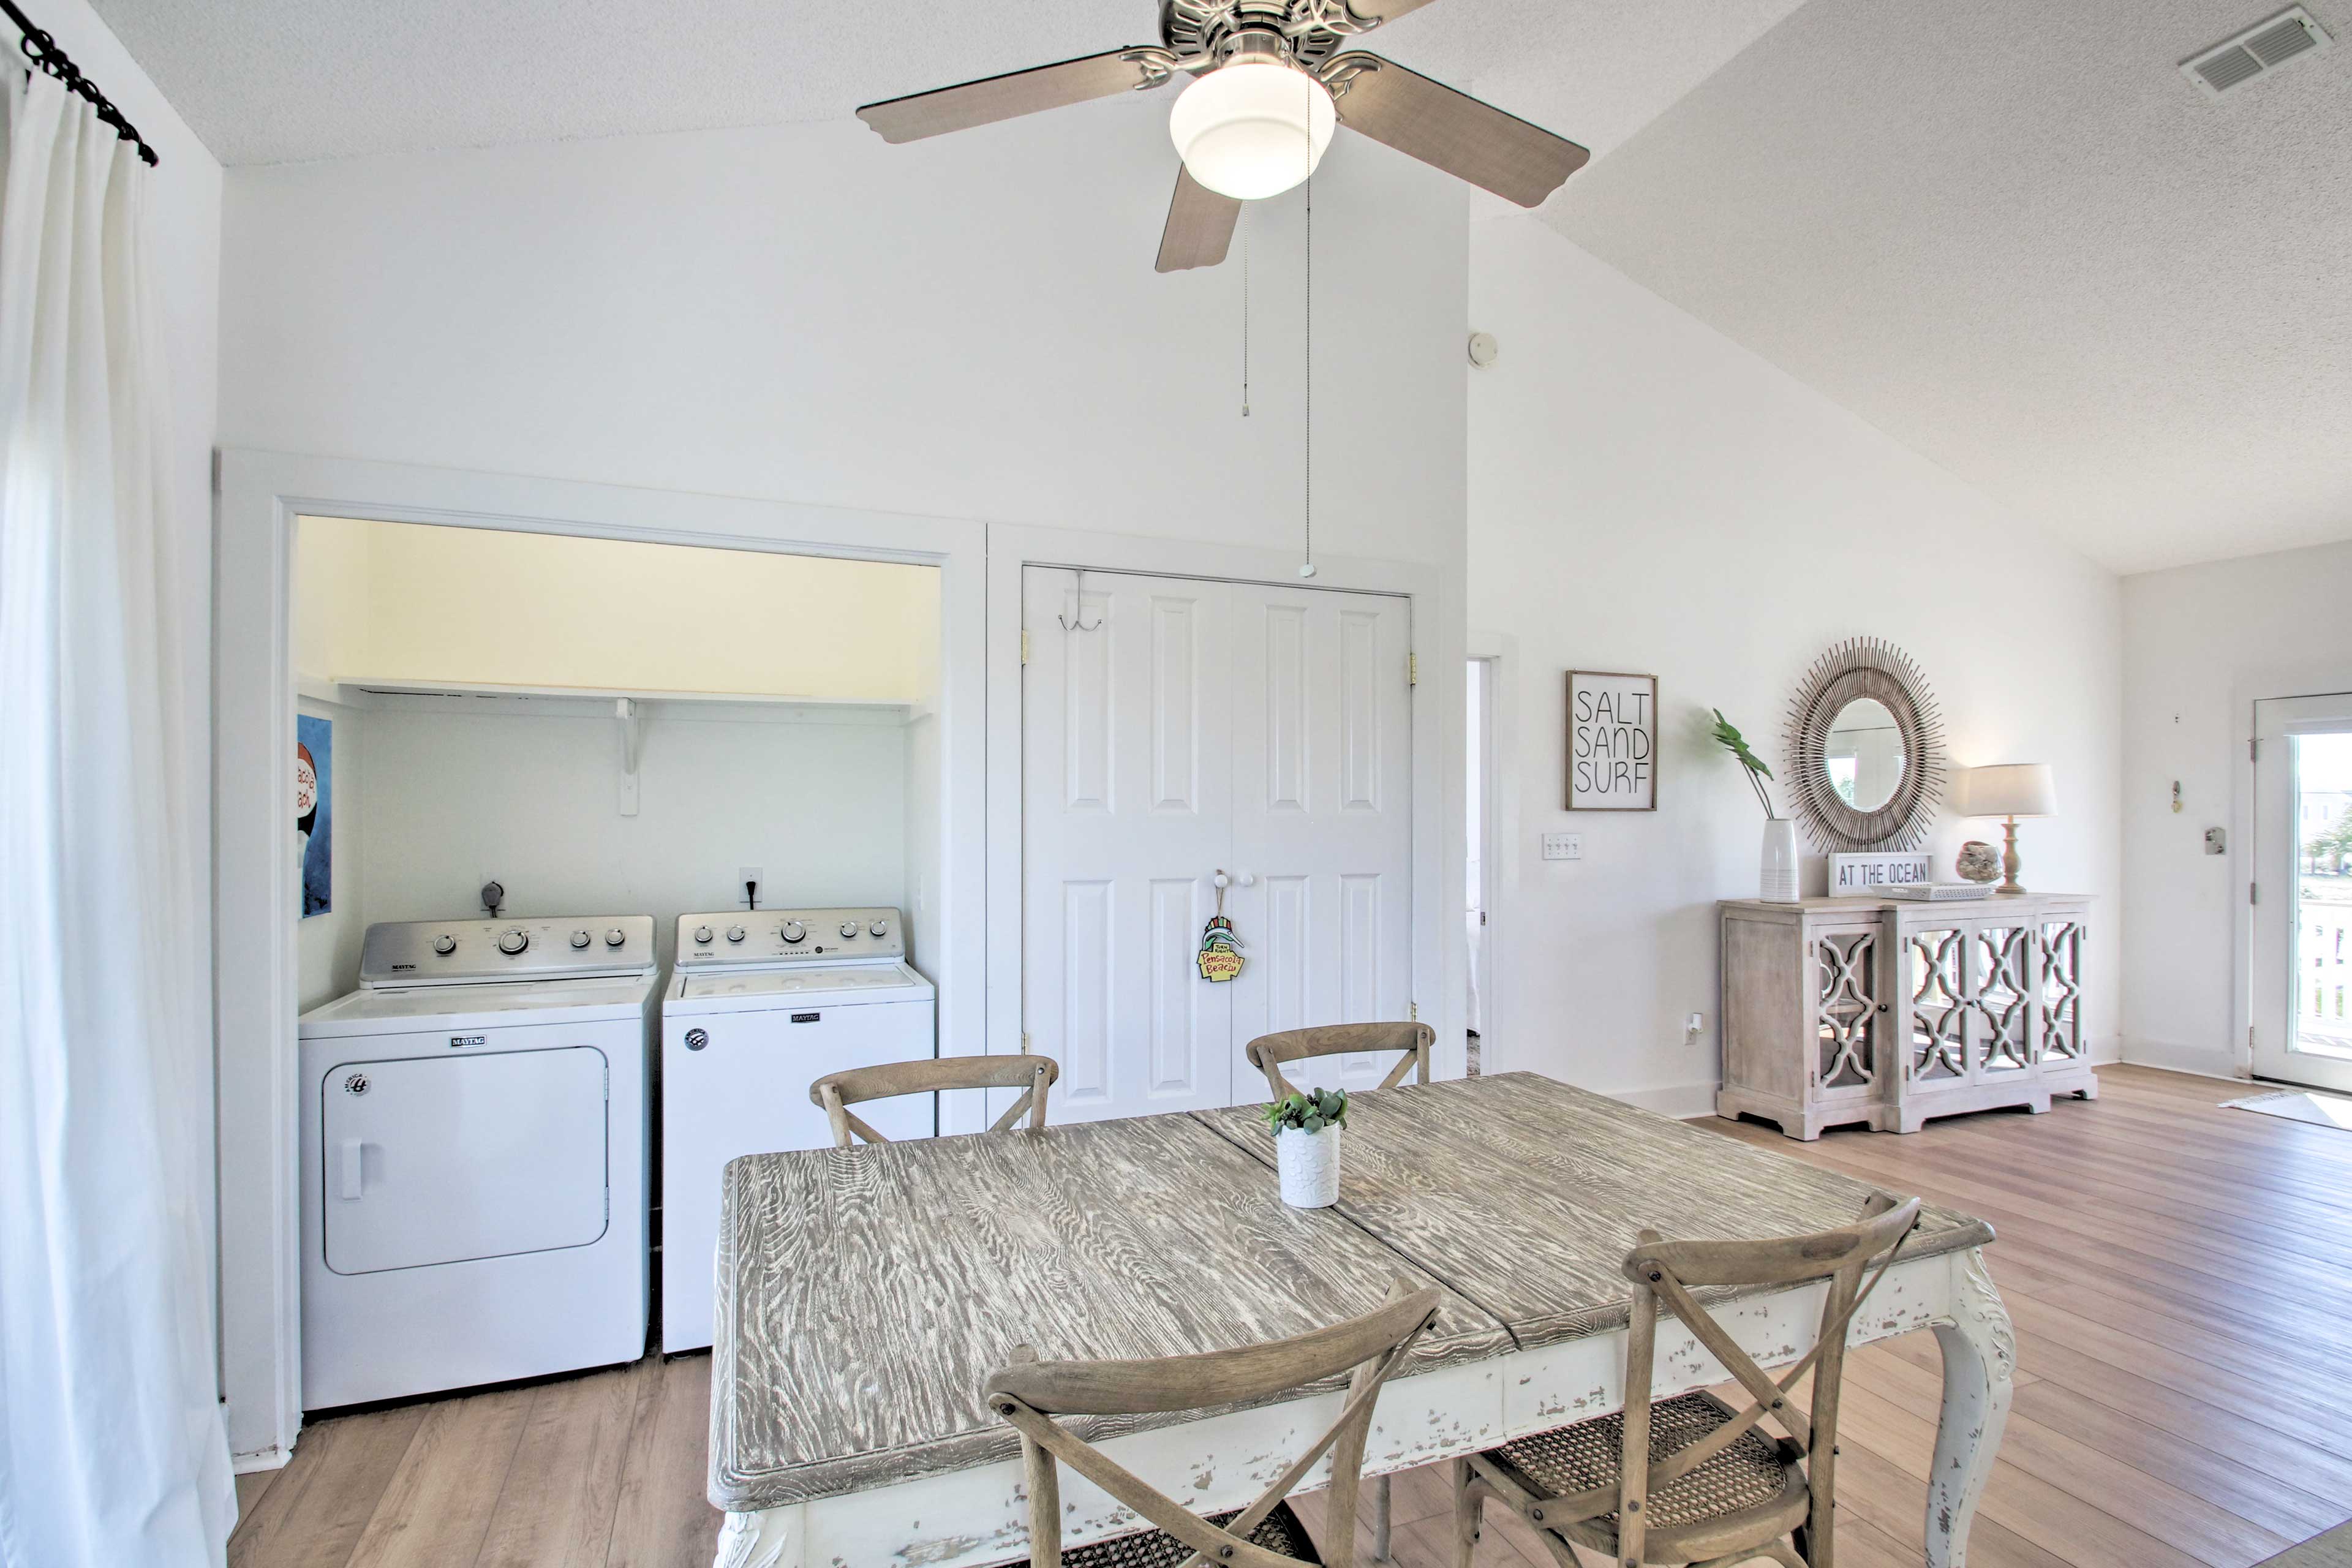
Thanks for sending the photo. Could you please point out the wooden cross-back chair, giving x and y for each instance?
(1267, 1534)
(1688, 1480)
(1267, 1053)
(835, 1093)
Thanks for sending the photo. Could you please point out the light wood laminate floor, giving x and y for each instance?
(2179, 1276)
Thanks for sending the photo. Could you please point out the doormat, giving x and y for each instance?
(2298, 1105)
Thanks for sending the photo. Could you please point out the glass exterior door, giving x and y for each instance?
(2302, 891)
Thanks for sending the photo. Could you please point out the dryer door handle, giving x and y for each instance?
(350, 1169)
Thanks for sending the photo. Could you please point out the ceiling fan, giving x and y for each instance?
(1272, 79)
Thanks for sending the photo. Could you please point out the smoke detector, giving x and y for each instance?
(2258, 51)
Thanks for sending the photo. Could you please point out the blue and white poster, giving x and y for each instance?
(314, 765)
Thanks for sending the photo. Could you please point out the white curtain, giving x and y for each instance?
(112, 1450)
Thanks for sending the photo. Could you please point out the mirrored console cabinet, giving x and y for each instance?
(1887, 1011)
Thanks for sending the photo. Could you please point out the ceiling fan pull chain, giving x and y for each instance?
(1307, 567)
(1245, 321)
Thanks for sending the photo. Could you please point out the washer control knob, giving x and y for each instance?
(580, 939)
(734, 933)
(512, 943)
(849, 928)
(793, 932)
(880, 928)
(615, 937)
(701, 936)
(444, 945)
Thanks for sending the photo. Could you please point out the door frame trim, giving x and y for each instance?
(1501, 654)
(1435, 591)
(259, 495)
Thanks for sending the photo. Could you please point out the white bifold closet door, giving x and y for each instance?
(1173, 727)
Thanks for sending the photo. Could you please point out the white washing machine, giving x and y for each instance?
(474, 1157)
(760, 1005)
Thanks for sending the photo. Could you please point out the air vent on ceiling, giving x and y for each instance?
(2259, 51)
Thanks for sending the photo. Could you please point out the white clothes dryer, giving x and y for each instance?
(475, 1179)
(759, 1006)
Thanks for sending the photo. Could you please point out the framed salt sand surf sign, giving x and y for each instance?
(1613, 741)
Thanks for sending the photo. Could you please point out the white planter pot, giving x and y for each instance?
(1310, 1163)
(1779, 868)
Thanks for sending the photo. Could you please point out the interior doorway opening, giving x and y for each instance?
(1481, 820)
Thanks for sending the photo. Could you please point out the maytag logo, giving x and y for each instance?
(398, 967)
(456, 1040)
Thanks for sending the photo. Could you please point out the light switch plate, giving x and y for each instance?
(1563, 846)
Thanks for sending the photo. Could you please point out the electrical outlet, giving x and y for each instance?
(746, 874)
(1563, 846)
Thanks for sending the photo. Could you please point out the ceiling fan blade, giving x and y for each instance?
(1006, 97)
(1200, 225)
(1431, 121)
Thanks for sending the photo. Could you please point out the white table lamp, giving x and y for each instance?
(2009, 790)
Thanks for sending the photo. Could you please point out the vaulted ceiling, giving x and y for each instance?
(2007, 233)
(2011, 235)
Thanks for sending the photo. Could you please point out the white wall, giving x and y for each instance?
(2199, 644)
(452, 799)
(435, 797)
(1645, 495)
(406, 600)
(967, 327)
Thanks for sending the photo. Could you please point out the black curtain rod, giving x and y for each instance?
(43, 51)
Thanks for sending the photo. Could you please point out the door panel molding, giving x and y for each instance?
(1430, 721)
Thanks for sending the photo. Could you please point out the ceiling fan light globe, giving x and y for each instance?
(1253, 129)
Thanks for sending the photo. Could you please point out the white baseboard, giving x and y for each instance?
(2205, 1061)
(1680, 1100)
(259, 1461)
(2105, 1049)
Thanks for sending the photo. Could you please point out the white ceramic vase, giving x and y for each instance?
(1310, 1165)
(1779, 868)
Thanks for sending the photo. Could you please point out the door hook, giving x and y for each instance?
(1081, 626)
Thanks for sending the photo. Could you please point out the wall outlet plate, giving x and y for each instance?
(2216, 841)
(747, 874)
(1563, 846)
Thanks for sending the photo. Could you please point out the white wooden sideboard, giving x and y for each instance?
(1889, 1011)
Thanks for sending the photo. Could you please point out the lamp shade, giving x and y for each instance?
(2007, 789)
(1252, 128)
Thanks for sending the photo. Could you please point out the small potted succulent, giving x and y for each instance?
(1307, 1145)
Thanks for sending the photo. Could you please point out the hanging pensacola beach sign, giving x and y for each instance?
(1220, 951)
(1613, 741)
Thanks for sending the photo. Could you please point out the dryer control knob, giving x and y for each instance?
(615, 937)
(734, 933)
(880, 928)
(513, 942)
(793, 930)
(701, 935)
(580, 939)
(444, 945)
(849, 928)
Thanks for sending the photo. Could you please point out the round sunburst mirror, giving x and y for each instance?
(1865, 750)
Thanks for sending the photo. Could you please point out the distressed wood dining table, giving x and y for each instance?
(865, 1295)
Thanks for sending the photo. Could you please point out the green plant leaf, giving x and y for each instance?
(1728, 737)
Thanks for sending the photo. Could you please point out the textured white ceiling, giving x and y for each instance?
(280, 81)
(2009, 234)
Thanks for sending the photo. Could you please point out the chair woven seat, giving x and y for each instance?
(1279, 1531)
(1749, 1473)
